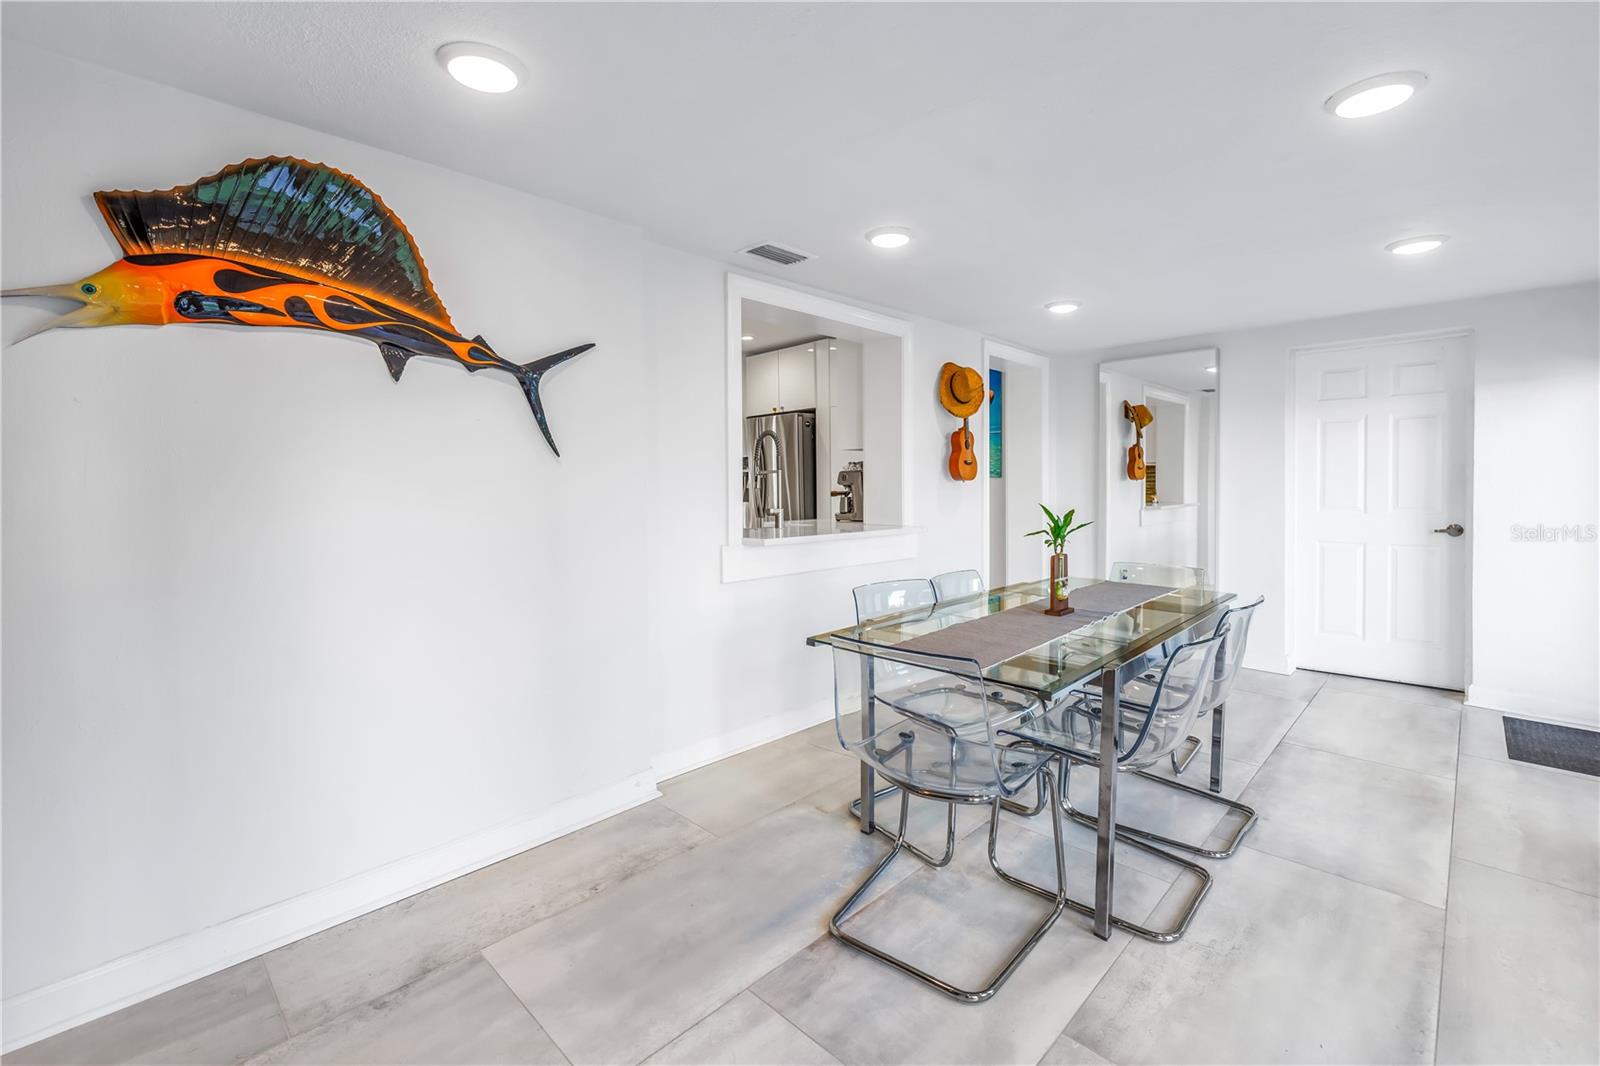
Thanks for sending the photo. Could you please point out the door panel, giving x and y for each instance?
(1342, 464)
(1341, 589)
(1344, 383)
(1416, 575)
(1416, 474)
(1381, 462)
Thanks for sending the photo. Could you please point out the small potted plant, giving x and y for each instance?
(1055, 534)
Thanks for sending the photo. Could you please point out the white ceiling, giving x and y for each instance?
(1169, 165)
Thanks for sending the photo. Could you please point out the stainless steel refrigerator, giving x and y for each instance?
(784, 473)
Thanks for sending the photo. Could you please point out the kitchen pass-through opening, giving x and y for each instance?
(821, 424)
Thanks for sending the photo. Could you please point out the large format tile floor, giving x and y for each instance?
(1410, 895)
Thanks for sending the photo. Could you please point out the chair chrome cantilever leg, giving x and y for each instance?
(1214, 796)
(1134, 835)
(1181, 763)
(1023, 809)
(1245, 826)
(1160, 936)
(927, 858)
(1058, 898)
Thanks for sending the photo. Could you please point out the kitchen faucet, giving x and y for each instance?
(768, 500)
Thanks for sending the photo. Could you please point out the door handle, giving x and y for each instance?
(1452, 530)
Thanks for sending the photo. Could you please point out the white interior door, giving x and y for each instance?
(1382, 458)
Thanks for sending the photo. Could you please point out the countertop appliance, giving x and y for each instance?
(780, 480)
(851, 478)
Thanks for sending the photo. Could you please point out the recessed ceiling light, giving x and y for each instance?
(1374, 96)
(480, 66)
(1062, 307)
(889, 237)
(833, 347)
(1417, 245)
(1211, 370)
(747, 337)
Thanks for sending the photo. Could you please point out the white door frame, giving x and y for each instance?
(1291, 477)
(993, 349)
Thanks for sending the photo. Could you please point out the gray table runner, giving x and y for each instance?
(997, 637)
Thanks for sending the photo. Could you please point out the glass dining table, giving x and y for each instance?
(1108, 651)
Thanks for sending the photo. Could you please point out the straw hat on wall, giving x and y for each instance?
(960, 390)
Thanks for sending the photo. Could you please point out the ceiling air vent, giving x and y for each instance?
(778, 253)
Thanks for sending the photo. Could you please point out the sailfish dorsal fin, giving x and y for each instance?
(307, 219)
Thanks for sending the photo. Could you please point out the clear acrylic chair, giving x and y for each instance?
(1178, 577)
(883, 598)
(1070, 731)
(925, 757)
(891, 597)
(956, 584)
(1236, 620)
(957, 705)
(1234, 628)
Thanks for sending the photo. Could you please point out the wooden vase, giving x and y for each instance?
(1058, 585)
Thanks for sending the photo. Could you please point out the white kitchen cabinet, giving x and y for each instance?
(797, 377)
(844, 387)
(784, 380)
(761, 384)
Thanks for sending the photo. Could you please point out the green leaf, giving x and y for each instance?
(1066, 519)
(1048, 513)
(1035, 533)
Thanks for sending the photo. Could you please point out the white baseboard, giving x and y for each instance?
(673, 763)
(1562, 712)
(1271, 664)
(42, 1012)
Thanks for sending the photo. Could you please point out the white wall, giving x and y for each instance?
(286, 640)
(272, 620)
(1537, 369)
(730, 668)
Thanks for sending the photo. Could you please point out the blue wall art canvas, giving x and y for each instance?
(996, 421)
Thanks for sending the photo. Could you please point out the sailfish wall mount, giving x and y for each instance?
(280, 242)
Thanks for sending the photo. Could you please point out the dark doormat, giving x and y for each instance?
(1561, 746)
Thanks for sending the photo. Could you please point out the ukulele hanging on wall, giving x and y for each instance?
(1140, 416)
(963, 463)
(961, 393)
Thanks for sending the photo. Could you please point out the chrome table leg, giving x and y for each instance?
(1106, 831)
(1170, 935)
(869, 797)
(1216, 748)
